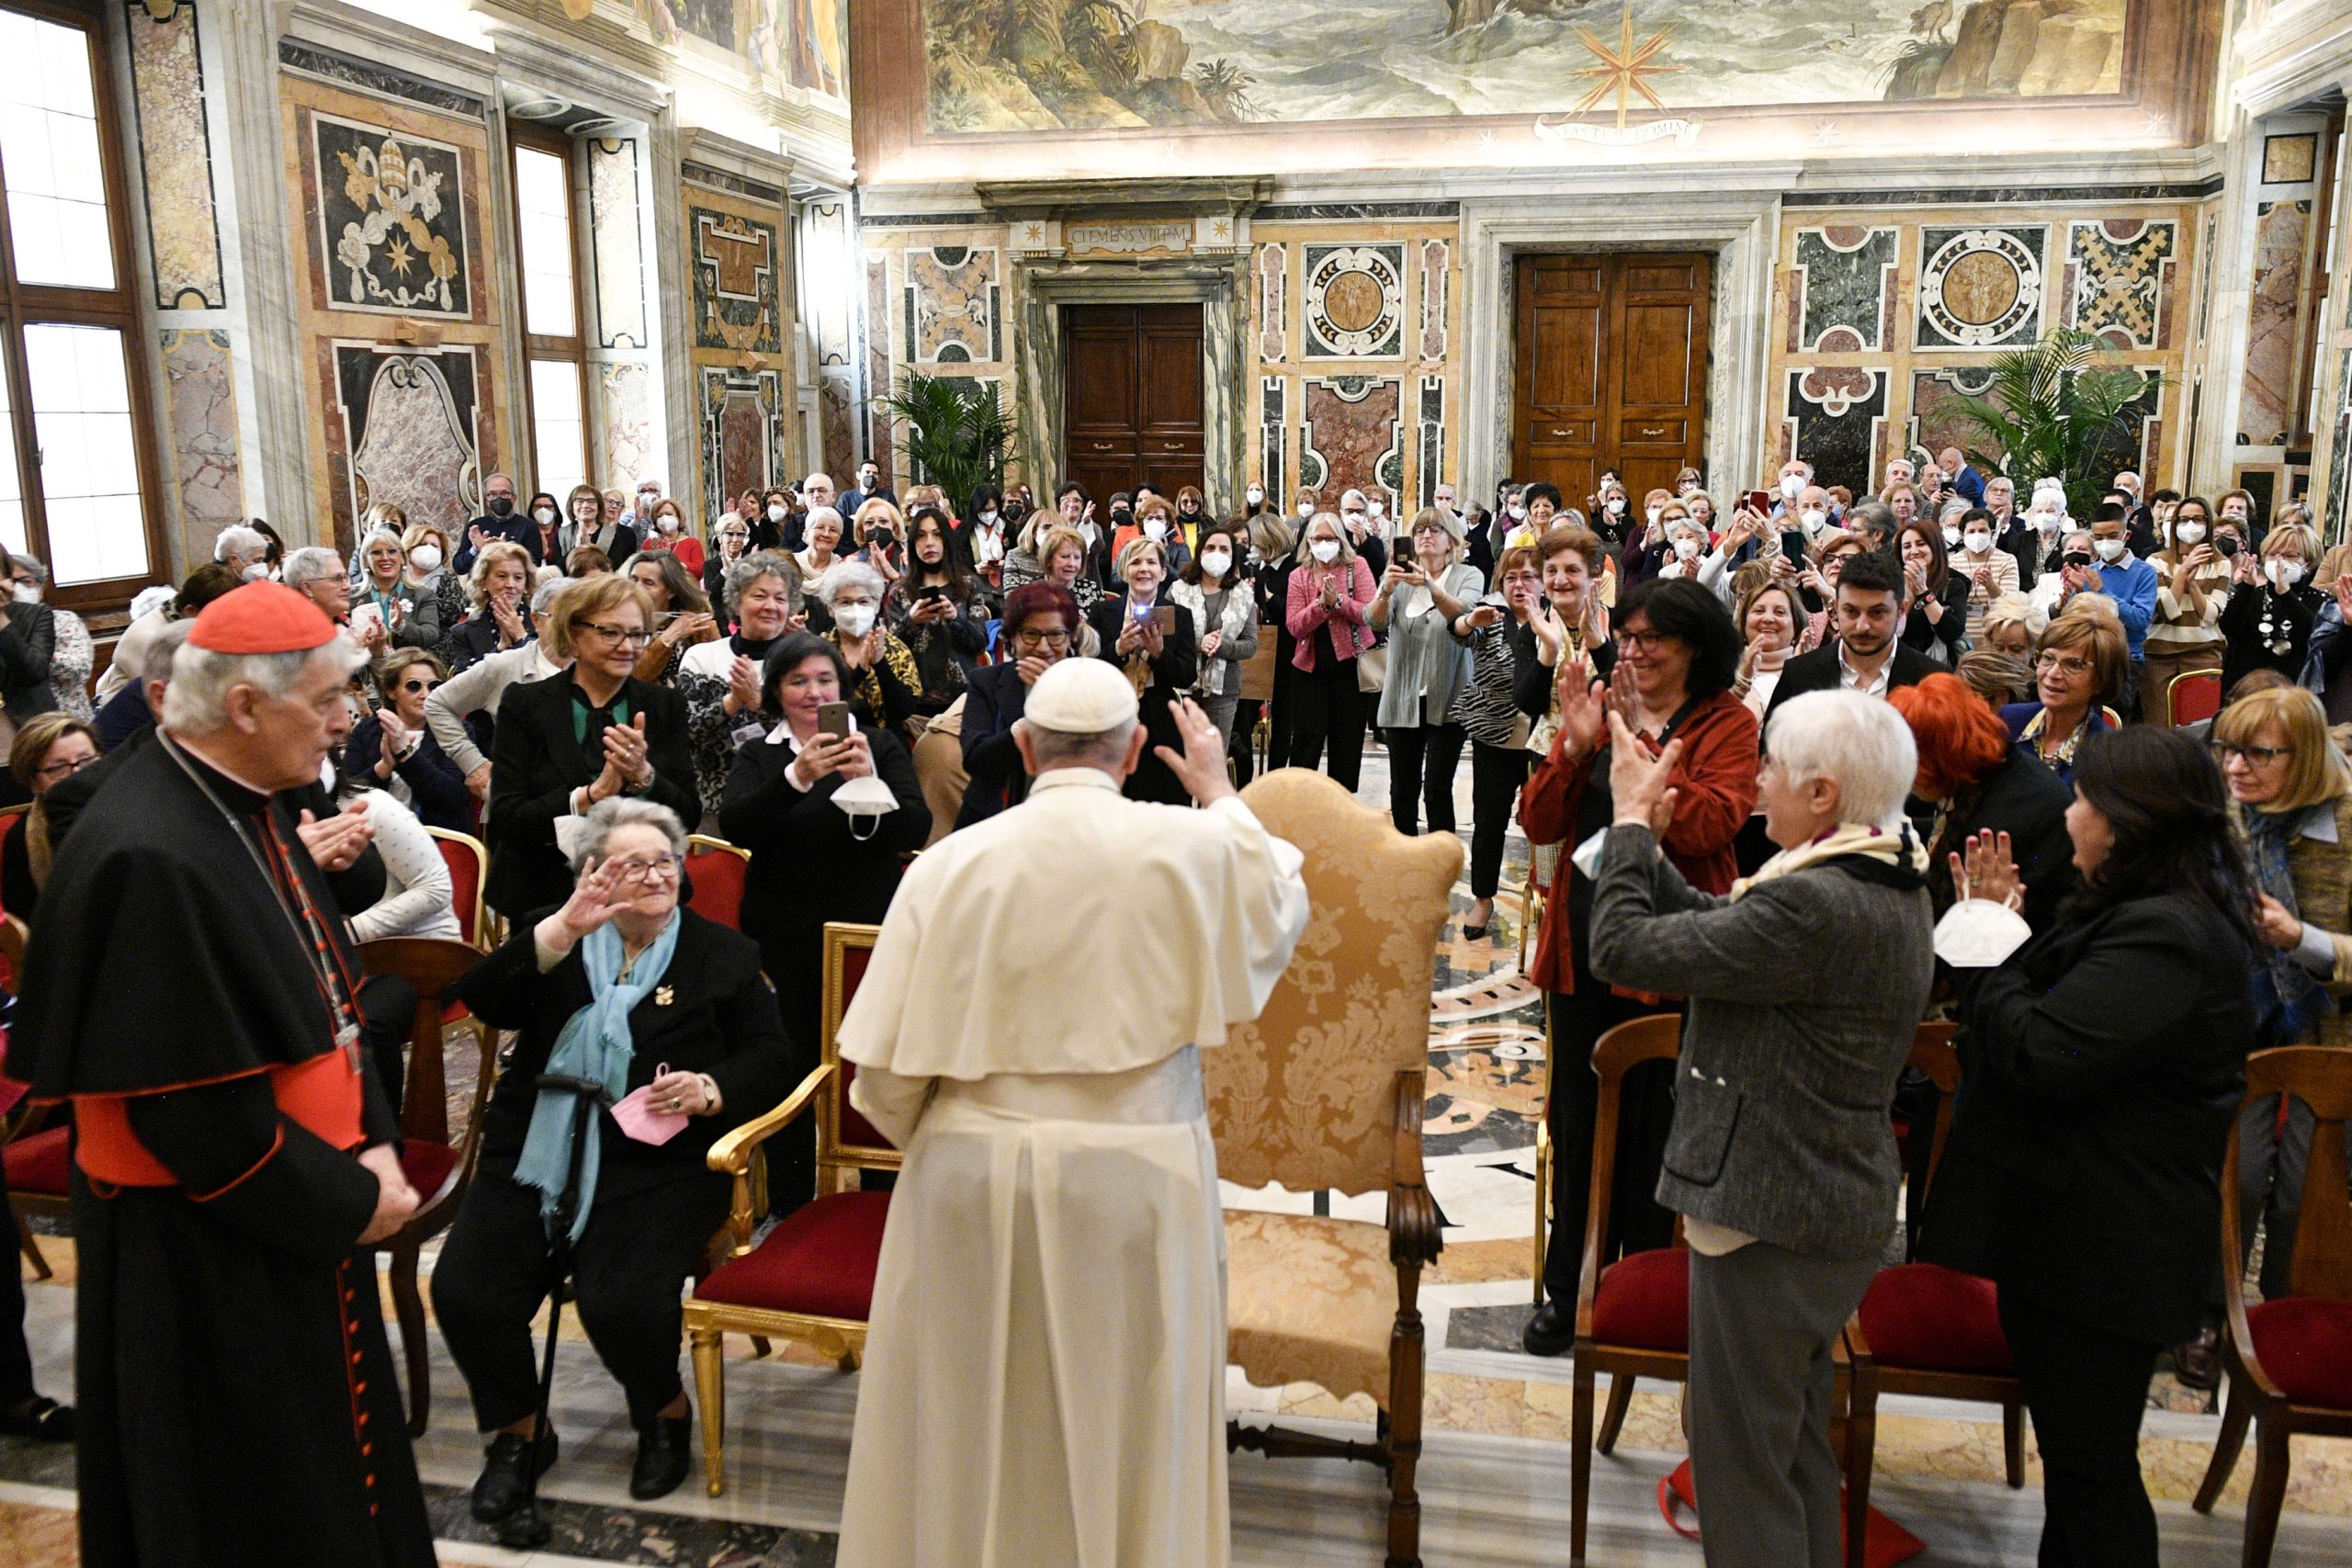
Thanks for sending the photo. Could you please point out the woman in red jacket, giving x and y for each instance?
(1330, 601)
(1676, 655)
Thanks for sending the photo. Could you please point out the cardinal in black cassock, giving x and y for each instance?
(190, 991)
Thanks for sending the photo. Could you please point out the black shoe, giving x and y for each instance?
(42, 1420)
(498, 1491)
(2196, 1360)
(660, 1459)
(1551, 1332)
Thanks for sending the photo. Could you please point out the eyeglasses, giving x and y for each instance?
(2256, 756)
(2064, 664)
(615, 634)
(660, 868)
(64, 770)
(1040, 639)
(1635, 641)
(419, 686)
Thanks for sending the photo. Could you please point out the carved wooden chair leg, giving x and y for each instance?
(1579, 1460)
(1613, 1418)
(710, 1392)
(1860, 1453)
(759, 1346)
(408, 1308)
(1402, 1437)
(2013, 1440)
(2269, 1494)
(29, 1245)
(2237, 1412)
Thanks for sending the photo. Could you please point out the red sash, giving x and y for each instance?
(323, 1094)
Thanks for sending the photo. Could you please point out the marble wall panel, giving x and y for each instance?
(1436, 256)
(2339, 473)
(408, 433)
(1842, 288)
(1431, 466)
(2281, 236)
(837, 420)
(1834, 419)
(1980, 286)
(954, 306)
(174, 157)
(1269, 270)
(1273, 402)
(1351, 437)
(877, 362)
(738, 266)
(742, 417)
(1352, 303)
(2119, 280)
(1935, 424)
(616, 254)
(200, 417)
(624, 414)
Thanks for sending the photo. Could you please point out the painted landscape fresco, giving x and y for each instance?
(997, 65)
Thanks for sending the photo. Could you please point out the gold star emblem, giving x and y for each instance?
(399, 255)
(1622, 70)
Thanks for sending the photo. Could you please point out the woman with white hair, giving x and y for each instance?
(1427, 603)
(2273, 605)
(620, 983)
(720, 680)
(824, 533)
(884, 683)
(410, 618)
(1804, 986)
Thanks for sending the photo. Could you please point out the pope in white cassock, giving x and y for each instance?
(1044, 1373)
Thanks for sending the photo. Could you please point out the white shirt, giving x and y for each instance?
(1850, 679)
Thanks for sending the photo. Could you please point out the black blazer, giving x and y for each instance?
(471, 641)
(2101, 1067)
(1818, 671)
(2027, 801)
(535, 766)
(27, 648)
(992, 704)
(1173, 674)
(719, 1018)
(806, 866)
(441, 798)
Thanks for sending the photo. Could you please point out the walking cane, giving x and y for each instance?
(526, 1527)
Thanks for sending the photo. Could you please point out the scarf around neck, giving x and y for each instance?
(2295, 1000)
(597, 1043)
(1899, 850)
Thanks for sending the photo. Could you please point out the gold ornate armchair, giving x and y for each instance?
(1324, 1091)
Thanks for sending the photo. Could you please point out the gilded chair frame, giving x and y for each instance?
(740, 1155)
(489, 927)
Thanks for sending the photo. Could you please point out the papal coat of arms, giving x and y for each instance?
(394, 223)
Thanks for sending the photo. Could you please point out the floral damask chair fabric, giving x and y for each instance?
(1324, 1091)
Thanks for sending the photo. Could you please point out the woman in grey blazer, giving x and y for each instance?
(1805, 986)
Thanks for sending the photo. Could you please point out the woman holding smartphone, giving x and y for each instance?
(1155, 643)
(1427, 605)
(937, 610)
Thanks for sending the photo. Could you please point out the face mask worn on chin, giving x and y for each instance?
(501, 505)
(854, 620)
(1216, 563)
(2109, 549)
(425, 557)
(1325, 550)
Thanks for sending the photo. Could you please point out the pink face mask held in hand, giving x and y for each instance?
(641, 1122)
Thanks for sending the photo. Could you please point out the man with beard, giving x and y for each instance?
(1865, 656)
(235, 1158)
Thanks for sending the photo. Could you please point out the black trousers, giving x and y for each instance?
(1495, 774)
(1328, 707)
(1421, 760)
(1239, 747)
(16, 1356)
(2088, 1390)
(1281, 713)
(1646, 1112)
(626, 1271)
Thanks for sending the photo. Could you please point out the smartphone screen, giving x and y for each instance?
(1792, 544)
(833, 719)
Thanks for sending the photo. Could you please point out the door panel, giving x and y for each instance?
(1134, 396)
(1611, 369)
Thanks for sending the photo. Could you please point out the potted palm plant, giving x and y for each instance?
(954, 431)
(2060, 409)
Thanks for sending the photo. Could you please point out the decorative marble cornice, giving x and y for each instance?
(1024, 198)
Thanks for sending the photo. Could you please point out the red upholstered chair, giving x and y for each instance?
(438, 1169)
(2194, 696)
(12, 820)
(468, 863)
(2290, 1360)
(812, 1277)
(1923, 1329)
(715, 868)
(1632, 1317)
(34, 1145)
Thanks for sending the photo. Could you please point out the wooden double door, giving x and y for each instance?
(1131, 397)
(1611, 371)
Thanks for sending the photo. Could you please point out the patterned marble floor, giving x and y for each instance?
(1496, 1476)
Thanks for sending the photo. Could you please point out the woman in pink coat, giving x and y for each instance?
(1330, 601)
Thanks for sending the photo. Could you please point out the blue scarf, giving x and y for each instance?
(595, 1043)
(2287, 996)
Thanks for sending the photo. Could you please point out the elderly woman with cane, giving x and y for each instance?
(1804, 986)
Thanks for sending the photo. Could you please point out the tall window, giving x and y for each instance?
(552, 314)
(77, 476)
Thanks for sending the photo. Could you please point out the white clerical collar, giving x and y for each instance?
(1075, 777)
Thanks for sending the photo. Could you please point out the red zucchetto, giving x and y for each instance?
(261, 617)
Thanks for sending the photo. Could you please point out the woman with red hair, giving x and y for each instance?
(1974, 779)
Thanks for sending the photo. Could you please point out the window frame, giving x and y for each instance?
(523, 136)
(120, 308)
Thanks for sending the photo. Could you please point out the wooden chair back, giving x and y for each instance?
(1616, 1053)
(715, 871)
(846, 1140)
(1306, 1095)
(468, 863)
(2321, 1078)
(13, 937)
(432, 966)
(1932, 1053)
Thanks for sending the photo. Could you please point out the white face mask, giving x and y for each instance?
(987, 518)
(1979, 543)
(425, 557)
(26, 594)
(1651, 513)
(2047, 522)
(854, 620)
(1217, 562)
(668, 523)
(1685, 547)
(1790, 485)
(546, 515)
(1325, 550)
(2189, 533)
(255, 572)
(1952, 536)
(1518, 512)
(778, 512)
(2285, 573)
(1816, 518)
(1306, 509)
(2109, 549)
(1376, 507)
(1155, 528)
(1617, 505)
(1255, 495)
